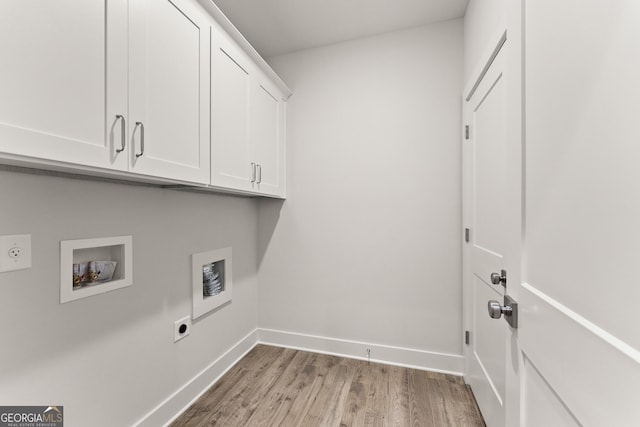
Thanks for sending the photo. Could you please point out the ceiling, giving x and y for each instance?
(275, 27)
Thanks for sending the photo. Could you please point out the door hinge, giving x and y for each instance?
(467, 337)
(467, 235)
(466, 132)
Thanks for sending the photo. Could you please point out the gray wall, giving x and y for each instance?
(110, 359)
(367, 246)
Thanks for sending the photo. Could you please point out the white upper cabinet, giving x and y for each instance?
(247, 124)
(90, 88)
(154, 90)
(230, 86)
(169, 90)
(267, 138)
(63, 80)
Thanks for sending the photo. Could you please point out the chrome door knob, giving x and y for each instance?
(496, 310)
(499, 278)
(509, 309)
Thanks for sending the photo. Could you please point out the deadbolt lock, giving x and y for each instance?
(509, 309)
(499, 278)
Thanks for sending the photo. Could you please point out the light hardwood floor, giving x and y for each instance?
(273, 386)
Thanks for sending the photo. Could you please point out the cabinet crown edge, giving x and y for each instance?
(226, 25)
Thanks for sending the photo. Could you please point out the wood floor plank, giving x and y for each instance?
(287, 396)
(328, 404)
(238, 411)
(437, 400)
(452, 403)
(282, 387)
(356, 400)
(398, 400)
(196, 414)
(304, 399)
(473, 411)
(461, 408)
(219, 399)
(278, 401)
(420, 407)
(377, 395)
(359, 398)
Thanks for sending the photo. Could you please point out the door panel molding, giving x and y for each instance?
(484, 66)
(560, 356)
(550, 409)
(610, 339)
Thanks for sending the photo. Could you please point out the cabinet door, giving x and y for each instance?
(63, 80)
(267, 139)
(230, 162)
(169, 90)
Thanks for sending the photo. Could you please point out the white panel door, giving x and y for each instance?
(579, 332)
(489, 215)
(169, 86)
(230, 87)
(267, 138)
(63, 80)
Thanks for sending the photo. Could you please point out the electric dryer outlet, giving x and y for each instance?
(181, 328)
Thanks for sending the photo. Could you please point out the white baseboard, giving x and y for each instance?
(181, 399)
(390, 355)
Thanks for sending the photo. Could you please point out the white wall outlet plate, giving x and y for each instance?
(181, 328)
(15, 252)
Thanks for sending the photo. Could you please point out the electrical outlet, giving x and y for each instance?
(15, 252)
(181, 328)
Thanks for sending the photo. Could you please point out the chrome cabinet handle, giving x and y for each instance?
(141, 138)
(123, 133)
(259, 174)
(253, 172)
